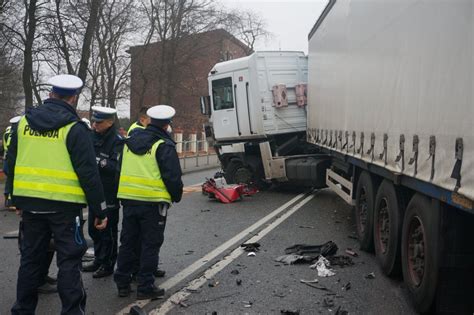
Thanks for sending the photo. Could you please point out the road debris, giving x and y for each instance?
(309, 281)
(278, 294)
(226, 193)
(306, 227)
(328, 302)
(251, 247)
(247, 304)
(347, 286)
(213, 284)
(370, 276)
(326, 249)
(235, 272)
(352, 237)
(290, 312)
(319, 287)
(238, 281)
(205, 210)
(251, 254)
(294, 259)
(349, 251)
(341, 261)
(322, 265)
(341, 311)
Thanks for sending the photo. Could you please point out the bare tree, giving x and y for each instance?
(248, 27)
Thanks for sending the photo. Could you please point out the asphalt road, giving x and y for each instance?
(201, 240)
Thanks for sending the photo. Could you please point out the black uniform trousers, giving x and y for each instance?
(144, 226)
(37, 230)
(105, 241)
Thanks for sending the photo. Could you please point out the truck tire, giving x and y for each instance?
(364, 211)
(388, 218)
(420, 251)
(237, 173)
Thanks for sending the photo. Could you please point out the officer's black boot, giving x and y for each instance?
(124, 291)
(158, 273)
(103, 271)
(155, 293)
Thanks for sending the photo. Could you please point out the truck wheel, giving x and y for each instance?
(420, 251)
(237, 173)
(388, 218)
(364, 211)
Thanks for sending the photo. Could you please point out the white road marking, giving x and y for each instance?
(195, 284)
(180, 276)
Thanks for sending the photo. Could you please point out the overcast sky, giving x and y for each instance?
(289, 21)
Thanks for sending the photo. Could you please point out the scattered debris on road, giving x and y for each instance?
(290, 312)
(205, 210)
(235, 272)
(309, 281)
(340, 260)
(370, 276)
(136, 310)
(226, 193)
(294, 259)
(251, 247)
(213, 284)
(247, 304)
(306, 227)
(347, 286)
(251, 254)
(319, 287)
(322, 266)
(326, 249)
(238, 282)
(349, 251)
(328, 302)
(341, 311)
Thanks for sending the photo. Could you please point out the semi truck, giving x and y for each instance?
(381, 112)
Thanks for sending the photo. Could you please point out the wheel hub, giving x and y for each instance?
(243, 175)
(416, 250)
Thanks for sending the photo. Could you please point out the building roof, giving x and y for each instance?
(223, 34)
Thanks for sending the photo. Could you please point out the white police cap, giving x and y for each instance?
(15, 119)
(100, 113)
(161, 112)
(66, 84)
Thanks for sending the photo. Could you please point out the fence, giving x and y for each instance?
(194, 153)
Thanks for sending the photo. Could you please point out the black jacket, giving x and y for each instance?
(141, 141)
(52, 115)
(108, 151)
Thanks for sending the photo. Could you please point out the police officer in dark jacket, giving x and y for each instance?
(150, 180)
(108, 145)
(52, 176)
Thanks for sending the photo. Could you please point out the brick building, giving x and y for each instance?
(186, 77)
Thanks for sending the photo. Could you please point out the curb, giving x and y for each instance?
(198, 169)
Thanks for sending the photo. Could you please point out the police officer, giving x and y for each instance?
(53, 174)
(108, 145)
(150, 180)
(6, 143)
(142, 122)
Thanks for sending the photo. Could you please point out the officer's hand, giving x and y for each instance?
(100, 224)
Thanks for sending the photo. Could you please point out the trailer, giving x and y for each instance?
(389, 127)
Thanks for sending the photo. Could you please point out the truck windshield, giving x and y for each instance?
(222, 95)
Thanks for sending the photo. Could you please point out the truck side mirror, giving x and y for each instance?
(206, 105)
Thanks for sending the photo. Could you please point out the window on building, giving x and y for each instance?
(222, 95)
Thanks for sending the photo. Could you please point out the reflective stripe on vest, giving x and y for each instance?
(134, 126)
(43, 167)
(140, 177)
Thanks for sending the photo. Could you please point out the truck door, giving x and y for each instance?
(224, 115)
(242, 102)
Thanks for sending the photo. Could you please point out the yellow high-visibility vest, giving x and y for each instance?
(140, 177)
(135, 125)
(43, 167)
